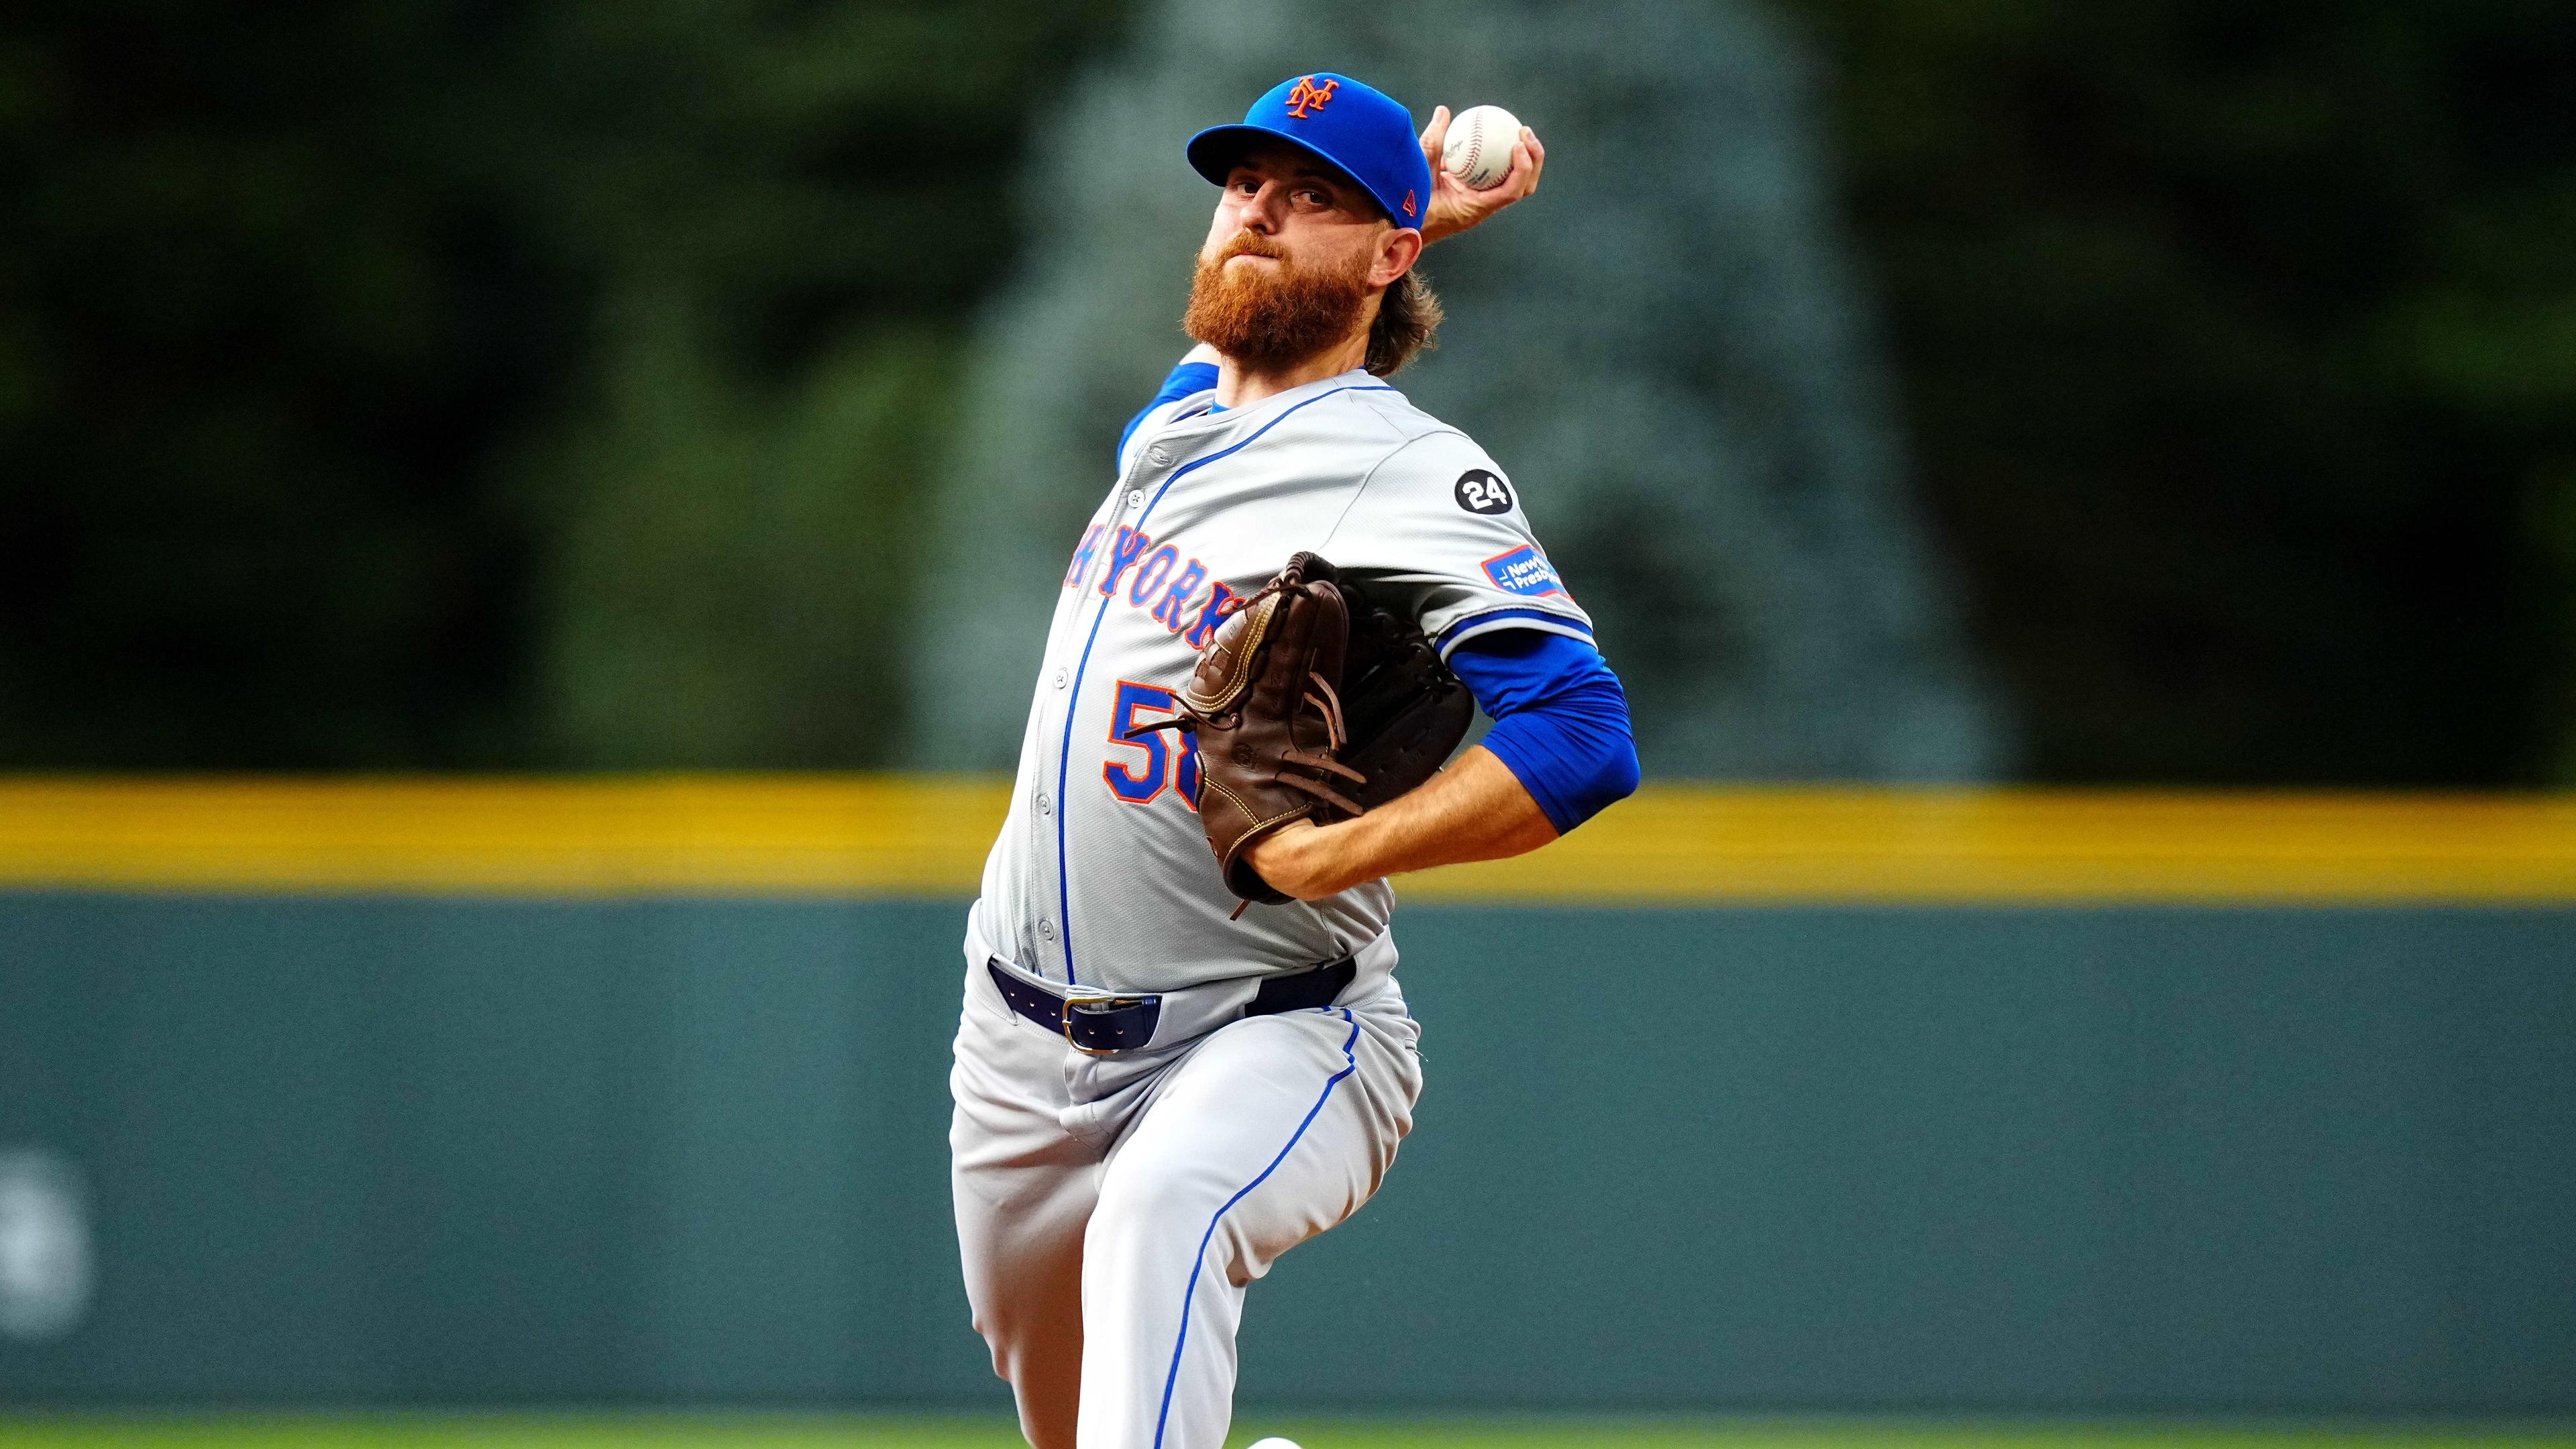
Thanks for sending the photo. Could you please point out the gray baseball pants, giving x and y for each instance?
(1111, 1211)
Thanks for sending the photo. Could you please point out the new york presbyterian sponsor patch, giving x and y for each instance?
(1524, 571)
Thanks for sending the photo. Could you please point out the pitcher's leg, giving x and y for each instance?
(1274, 1130)
(1023, 1190)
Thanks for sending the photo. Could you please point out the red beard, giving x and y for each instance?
(1269, 318)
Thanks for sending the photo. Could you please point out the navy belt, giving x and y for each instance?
(1100, 1025)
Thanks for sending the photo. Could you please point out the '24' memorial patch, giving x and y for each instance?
(1523, 571)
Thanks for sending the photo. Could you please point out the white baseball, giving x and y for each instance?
(1272, 1443)
(1478, 151)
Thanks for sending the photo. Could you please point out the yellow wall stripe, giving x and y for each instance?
(926, 836)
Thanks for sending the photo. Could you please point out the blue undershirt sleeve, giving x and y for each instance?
(1560, 719)
(1187, 378)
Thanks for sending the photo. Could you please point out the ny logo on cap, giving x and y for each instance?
(1306, 95)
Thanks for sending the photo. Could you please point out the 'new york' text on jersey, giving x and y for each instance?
(1102, 876)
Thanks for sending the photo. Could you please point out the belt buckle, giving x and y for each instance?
(1096, 1003)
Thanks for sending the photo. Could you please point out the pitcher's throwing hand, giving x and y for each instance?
(1183, 1049)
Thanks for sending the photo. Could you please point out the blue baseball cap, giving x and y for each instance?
(1359, 129)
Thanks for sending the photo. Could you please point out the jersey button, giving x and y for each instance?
(1046, 929)
(1046, 802)
(1135, 497)
(1059, 679)
(1159, 456)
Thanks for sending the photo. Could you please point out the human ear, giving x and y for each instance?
(1396, 254)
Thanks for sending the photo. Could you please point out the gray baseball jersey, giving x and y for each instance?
(1101, 877)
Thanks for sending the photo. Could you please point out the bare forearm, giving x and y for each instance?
(1474, 810)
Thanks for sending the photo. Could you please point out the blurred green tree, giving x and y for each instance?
(2240, 351)
(455, 383)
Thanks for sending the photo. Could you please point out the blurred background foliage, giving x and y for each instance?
(481, 384)
(417, 384)
(2240, 349)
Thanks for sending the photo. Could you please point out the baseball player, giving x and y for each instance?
(1159, 1087)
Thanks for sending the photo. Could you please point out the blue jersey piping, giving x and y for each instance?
(1073, 701)
(1448, 636)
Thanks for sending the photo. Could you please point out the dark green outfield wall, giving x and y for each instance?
(1832, 1158)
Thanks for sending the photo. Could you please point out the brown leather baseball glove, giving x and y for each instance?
(1281, 739)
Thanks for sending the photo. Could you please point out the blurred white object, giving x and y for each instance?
(1677, 366)
(1478, 147)
(1274, 1442)
(44, 1246)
